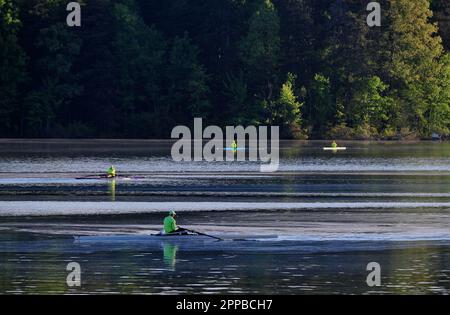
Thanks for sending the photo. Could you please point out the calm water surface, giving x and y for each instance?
(330, 215)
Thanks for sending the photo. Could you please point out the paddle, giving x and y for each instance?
(199, 233)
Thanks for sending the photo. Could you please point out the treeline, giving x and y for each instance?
(137, 68)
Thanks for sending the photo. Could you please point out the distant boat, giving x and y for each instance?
(335, 149)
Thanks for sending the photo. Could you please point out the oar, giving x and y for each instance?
(199, 233)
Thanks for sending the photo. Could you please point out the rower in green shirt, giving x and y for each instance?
(111, 172)
(334, 145)
(170, 225)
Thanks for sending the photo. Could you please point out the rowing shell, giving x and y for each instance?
(143, 239)
(335, 149)
(120, 177)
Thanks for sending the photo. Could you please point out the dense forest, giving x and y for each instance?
(137, 68)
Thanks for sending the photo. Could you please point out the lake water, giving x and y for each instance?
(321, 219)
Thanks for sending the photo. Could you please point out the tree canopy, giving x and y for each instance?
(137, 68)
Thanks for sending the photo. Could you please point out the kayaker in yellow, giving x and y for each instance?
(334, 145)
(170, 225)
(234, 145)
(111, 172)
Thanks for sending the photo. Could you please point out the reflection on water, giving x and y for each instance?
(170, 253)
(112, 189)
(421, 268)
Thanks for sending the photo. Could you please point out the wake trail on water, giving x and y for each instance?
(48, 208)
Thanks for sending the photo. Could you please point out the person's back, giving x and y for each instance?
(334, 145)
(170, 225)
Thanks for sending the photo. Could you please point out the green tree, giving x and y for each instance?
(260, 52)
(346, 34)
(298, 38)
(58, 85)
(416, 51)
(261, 46)
(370, 107)
(286, 110)
(441, 8)
(97, 107)
(235, 89)
(433, 100)
(187, 90)
(12, 68)
(139, 53)
(131, 70)
(322, 109)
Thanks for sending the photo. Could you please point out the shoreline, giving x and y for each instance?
(137, 140)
